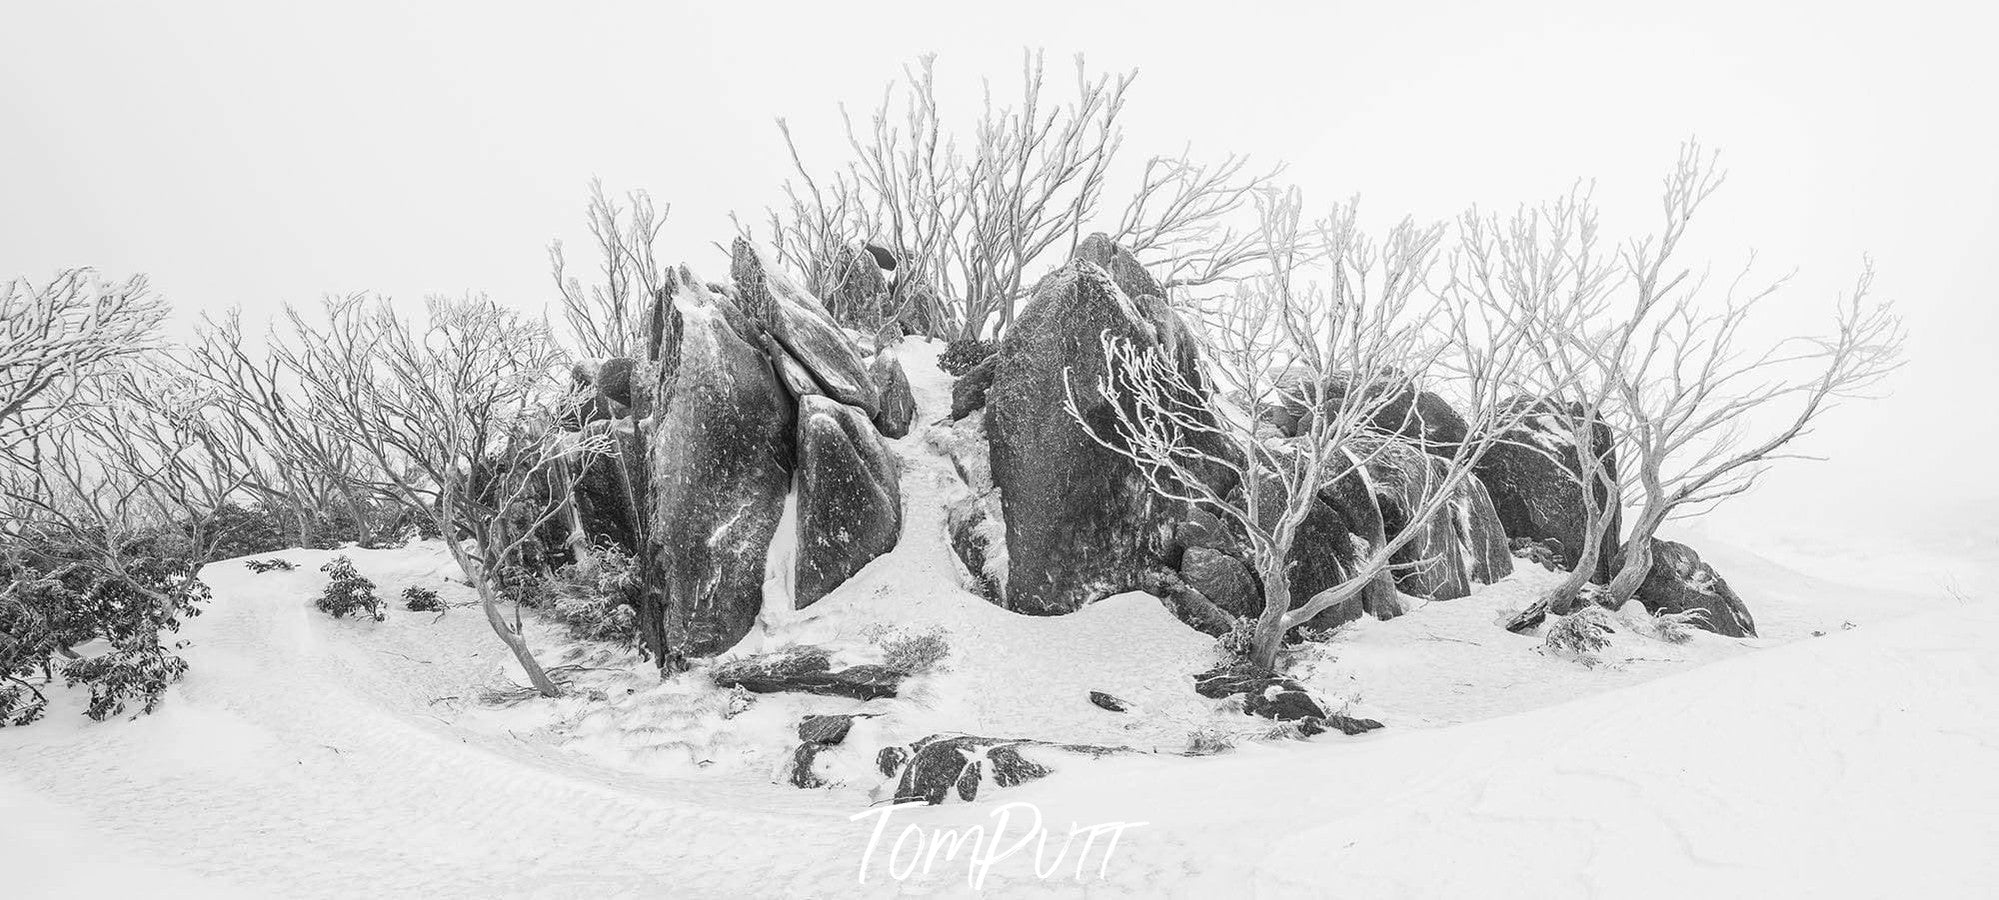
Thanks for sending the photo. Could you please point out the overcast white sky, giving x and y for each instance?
(253, 153)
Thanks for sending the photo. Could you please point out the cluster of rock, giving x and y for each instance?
(1080, 522)
(749, 391)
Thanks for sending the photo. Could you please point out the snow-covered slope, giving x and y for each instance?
(308, 757)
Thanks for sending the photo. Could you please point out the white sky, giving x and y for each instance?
(250, 153)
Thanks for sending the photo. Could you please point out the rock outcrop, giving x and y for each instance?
(1422, 416)
(805, 329)
(1460, 544)
(936, 768)
(1534, 477)
(1081, 522)
(1681, 582)
(1278, 698)
(849, 496)
(719, 456)
(898, 404)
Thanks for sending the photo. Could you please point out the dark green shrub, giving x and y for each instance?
(347, 591)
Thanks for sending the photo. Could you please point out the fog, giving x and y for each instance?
(251, 154)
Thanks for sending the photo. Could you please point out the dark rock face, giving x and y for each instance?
(1411, 412)
(968, 393)
(1680, 581)
(608, 497)
(898, 405)
(1106, 701)
(1459, 545)
(965, 523)
(719, 456)
(1081, 523)
(1534, 477)
(801, 775)
(849, 496)
(796, 320)
(1223, 579)
(1276, 697)
(825, 729)
(857, 290)
(614, 380)
(938, 767)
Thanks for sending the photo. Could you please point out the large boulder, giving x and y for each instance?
(898, 403)
(849, 496)
(856, 287)
(1681, 582)
(718, 457)
(1458, 544)
(1081, 522)
(1398, 407)
(797, 320)
(1534, 476)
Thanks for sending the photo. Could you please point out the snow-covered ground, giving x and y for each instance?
(304, 756)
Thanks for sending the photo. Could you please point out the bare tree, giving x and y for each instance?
(1702, 410)
(52, 334)
(968, 219)
(458, 417)
(1543, 271)
(1351, 347)
(605, 318)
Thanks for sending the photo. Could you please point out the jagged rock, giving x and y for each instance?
(965, 523)
(608, 496)
(1458, 545)
(801, 774)
(938, 767)
(1109, 702)
(1081, 523)
(898, 405)
(968, 393)
(1680, 581)
(1423, 416)
(849, 496)
(1276, 697)
(718, 456)
(858, 682)
(884, 258)
(808, 332)
(857, 290)
(1223, 579)
(1534, 477)
(825, 729)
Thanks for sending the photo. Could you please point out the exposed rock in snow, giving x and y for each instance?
(898, 407)
(968, 393)
(1535, 480)
(1081, 523)
(849, 498)
(1462, 542)
(1423, 416)
(939, 767)
(796, 319)
(719, 456)
(859, 682)
(1276, 697)
(1680, 582)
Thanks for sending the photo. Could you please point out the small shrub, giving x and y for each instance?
(914, 653)
(594, 598)
(962, 355)
(274, 564)
(348, 591)
(1233, 648)
(1677, 627)
(138, 674)
(1580, 633)
(421, 599)
(1209, 740)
